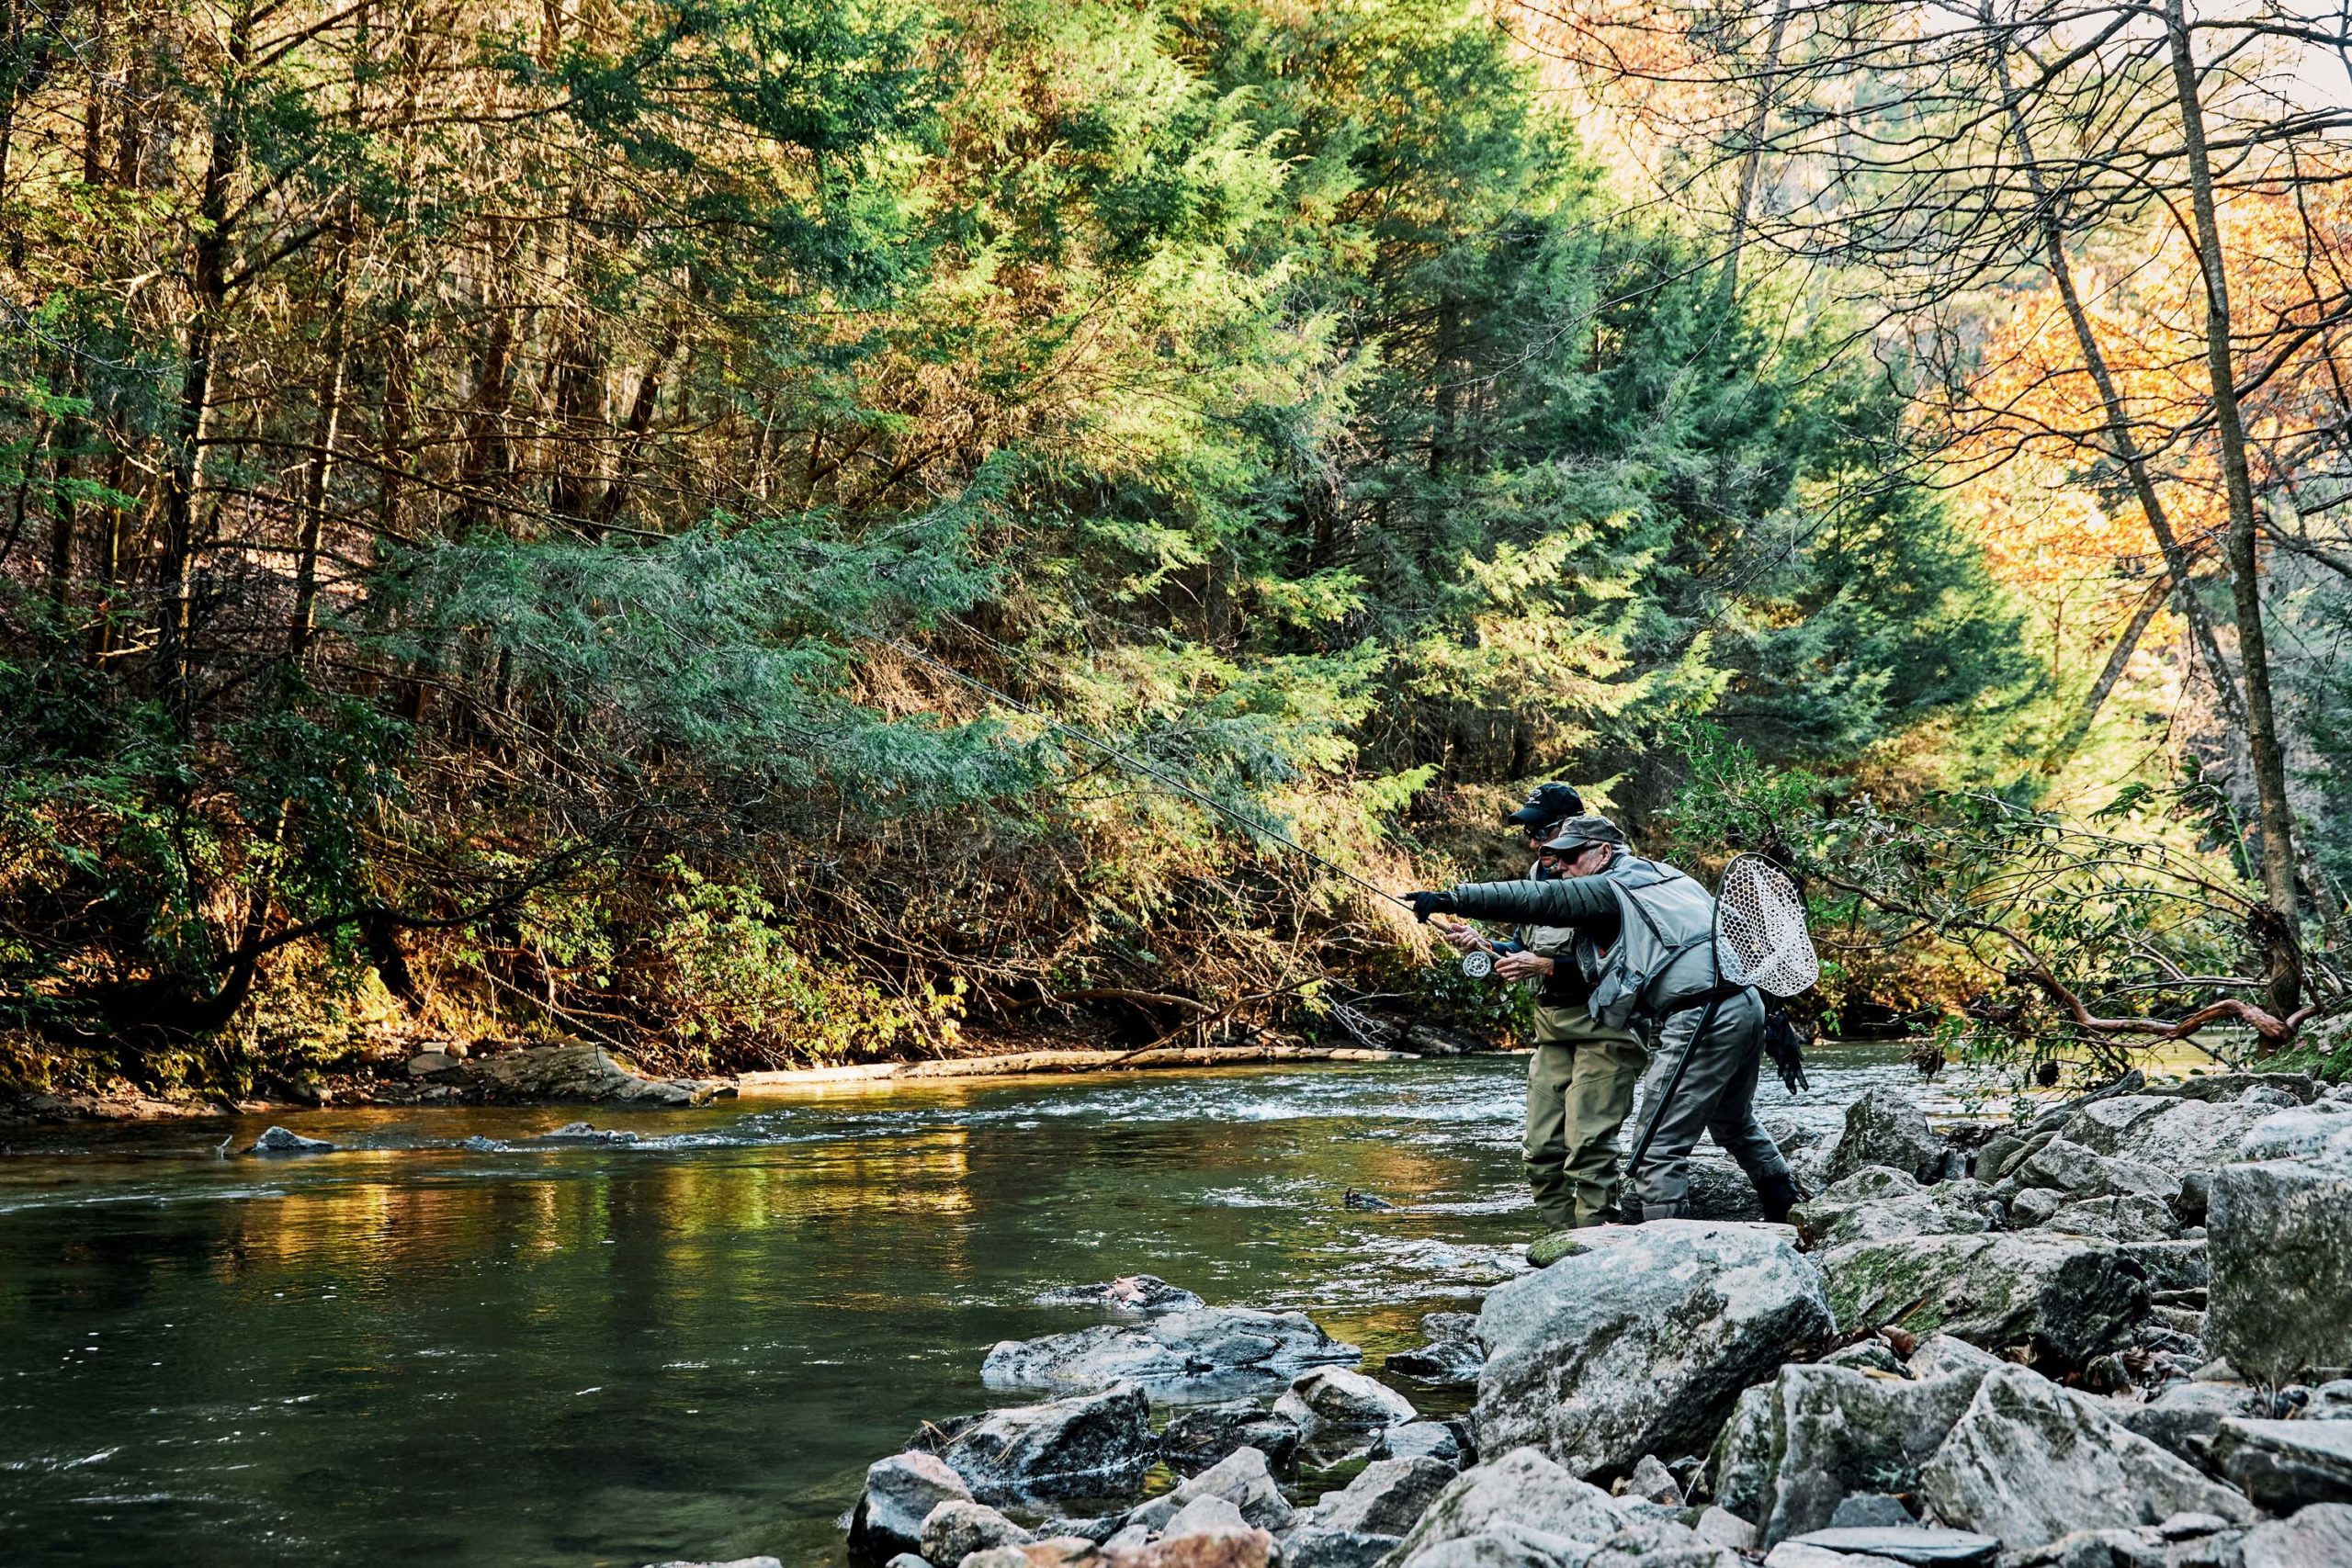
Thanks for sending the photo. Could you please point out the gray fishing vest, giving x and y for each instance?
(1664, 957)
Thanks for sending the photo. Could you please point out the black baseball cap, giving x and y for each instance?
(1578, 832)
(1550, 802)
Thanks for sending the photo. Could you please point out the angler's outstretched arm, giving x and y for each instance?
(1585, 901)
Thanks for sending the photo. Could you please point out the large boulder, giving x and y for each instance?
(1522, 1491)
(960, 1526)
(1879, 1202)
(1801, 1444)
(2071, 1297)
(2284, 1465)
(2319, 1534)
(2135, 1217)
(2183, 1418)
(2070, 1167)
(1886, 1127)
(1335, 1396)
(2180, 1136)
(1175, 1347)
(2030, 1462)
(2279, 1237)
(1642, 1343)
(1091, 1444)
(900, 1493)
(1389, 1497)
(581, 1074)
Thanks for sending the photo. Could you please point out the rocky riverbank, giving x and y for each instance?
(2117, 1336)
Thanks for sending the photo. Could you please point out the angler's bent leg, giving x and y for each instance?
(1661, 1188)
(1549, 1072)
(1601, 1096)
(1733, 1125)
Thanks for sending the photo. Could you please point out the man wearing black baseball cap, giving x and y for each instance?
(1547, 804)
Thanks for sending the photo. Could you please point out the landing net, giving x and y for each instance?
(1761, 937)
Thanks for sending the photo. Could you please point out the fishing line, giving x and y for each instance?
(1126, 759)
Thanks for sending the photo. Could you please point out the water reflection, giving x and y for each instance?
(688, 1346)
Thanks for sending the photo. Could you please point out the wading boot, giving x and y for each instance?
(1779, 1194)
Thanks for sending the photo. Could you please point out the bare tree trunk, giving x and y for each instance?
(2246, 581)
(325, 428)
(1752, 165)
(2118, 657)
(2120, 439)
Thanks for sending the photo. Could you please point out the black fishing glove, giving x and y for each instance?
(1784, 1043)
(1427, 904)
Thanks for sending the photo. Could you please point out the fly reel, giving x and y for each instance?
(1479, 965)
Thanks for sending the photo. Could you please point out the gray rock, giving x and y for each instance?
(1242, 1479)
(2030, 1461)
(1389, 1497)
(2071, 1297)
(1521, 1491)
(760, 1561)
(278, 1141)
(2131, 1218)
(1879, 1202)
(1334, 1396)
(2185, 1416)
(903, 1560)
(2186, 1135)
(431, 1063)
(1452, 1355)
(1421, 1439)
(2169, 1265)
(1205, 1514)
(2285, 1465)
(1199, 1436)
(2330, 1402)
(1642, 1343)
(1999, 1152)
(581, 1134)
(2085, 1173)
(1089, 1445)
(1177, 1347)
(2280, 1236)
(960, 1526)
(2324, 1133)
(900, 1493)
(1886, 1127)
(1916, 1544)
(1720, 1190)
(2035, 1205)
(1870, 1510)
(1501, 1546)
(1141, 1295)
(1939, 1355)
(1721, 1526)
(2228, 1087)
(1871, 1354)
(1319, 1547)
(1659, 1543)
(1653, 1483)
(1815, 1435)
(2320, 1534)
(1796, 1554)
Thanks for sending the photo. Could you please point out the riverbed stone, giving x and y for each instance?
(1227, 1547)
(2185, 1418)
(959, 1526)
(2284, 1465)
(1319, 1547)
(1389, 1497)
(1881, 1204)
(2186, 1135)
(2030, 1461)
(1140, 1296)
(581, 1072)
(1336, 1396)
(1176, 1347)
(1501, 1546)
(2071, 1297)
(1886, 1127)
(1642, 1343)
(900, 1493)
(1198, 1436)
(2319, 1534)
(279, 1141)
(1452, 1354)
(1088, 1445)
(1422, 1439)
(1923, 1546)
(1800, 1445)
(1521, 1491)
(2279, 1235)
(1243, 1479)
(2133, 1217)
(1797, 1554)
(2082, 1172)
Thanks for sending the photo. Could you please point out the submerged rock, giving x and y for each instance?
(2071, 1297)
(2030, 1461)
(1095, 1443)
(1642, 1343)
(900, 1493)
(278, 1141)
(1452, 1355)
(581, 1134)
(1173, 1347)
(1145, 1295)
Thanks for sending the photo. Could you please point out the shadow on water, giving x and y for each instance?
(414, 1351)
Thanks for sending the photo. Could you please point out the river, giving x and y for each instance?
(412, 1351)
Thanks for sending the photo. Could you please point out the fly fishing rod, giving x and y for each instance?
(1126, 759)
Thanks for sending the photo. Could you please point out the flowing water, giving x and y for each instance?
(413, 1351)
